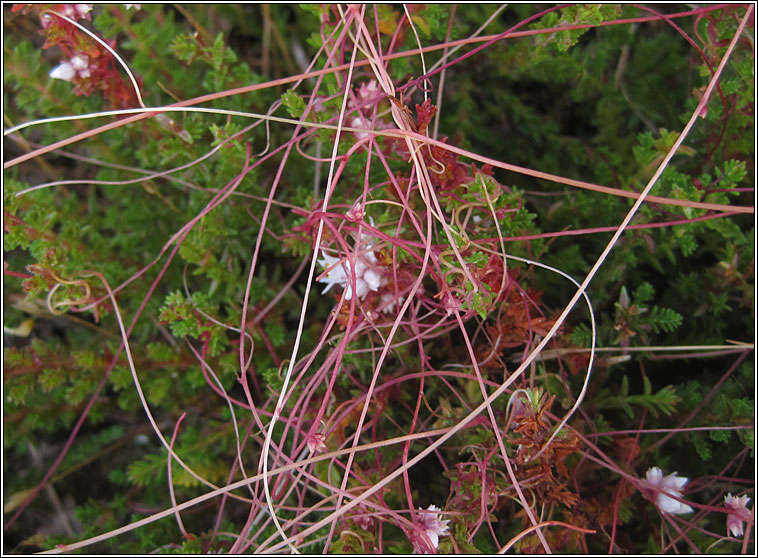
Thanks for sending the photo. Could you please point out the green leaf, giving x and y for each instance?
(644, 293)
(217, 52)
(479, 259)
(272, 379)
(664, 319)
(581, 336)
(294, 104)
(148, 470)
(184, 47)
(52, 378)
(719, 435)
(702, 447)
(732, 173)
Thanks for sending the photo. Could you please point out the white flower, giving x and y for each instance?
(135, 6)
(339, 272)
(660, 489)
(738, 514)
(64, 71)
(388, 299)
(78, 66)
(433, 527)
(80, 63)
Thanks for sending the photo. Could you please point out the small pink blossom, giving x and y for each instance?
(659, 489)
(82, 9)
(426, 540)
(363, 519)
(316, 443)
(71, 11)
(359, 122)
(80, 63)
(737, 515)
(365, 124)
(368, 91)
(355, 213)
(76, 11)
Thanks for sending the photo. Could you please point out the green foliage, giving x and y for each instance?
(170, 211)
(561, 41)
(581, 336)
(664, 401)
(294, 104)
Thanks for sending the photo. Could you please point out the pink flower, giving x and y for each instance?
(71, 11)
(367, 92)
(316, 443)
(363, 519)
(430, 528)
(355, 213)
(80, 63)
(76, 11)
(737, 515)
(659, 489)
(359, 122)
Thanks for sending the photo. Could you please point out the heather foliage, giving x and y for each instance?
(316, 301)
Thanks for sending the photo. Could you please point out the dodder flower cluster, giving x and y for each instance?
(340, 271)
(431, 528)
(738, 514)
(660, 489)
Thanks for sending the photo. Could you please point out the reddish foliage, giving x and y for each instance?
(537, 474)
(102, 73)
(517, 320)
(424, 113)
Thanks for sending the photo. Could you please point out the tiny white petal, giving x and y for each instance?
(64, 71)
(80, 61)
(736, 529)
(372, 279)
(358, 122)
(360, 267)
(669, 505)
(661, 487)
(83, 9)
(672, 482)
(654, 475)
(361, 288)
